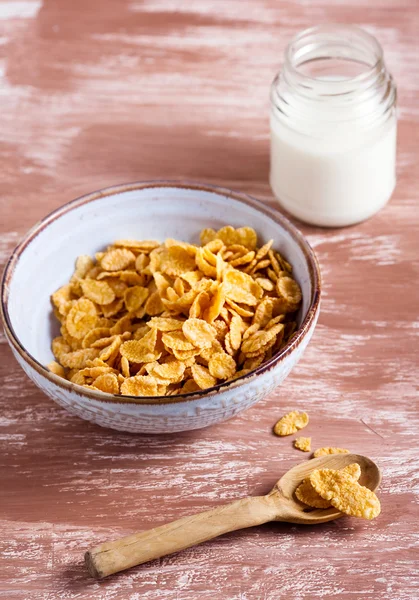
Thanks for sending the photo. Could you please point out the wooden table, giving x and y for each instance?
(95, 93)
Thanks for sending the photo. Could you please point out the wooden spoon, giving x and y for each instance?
(278, 505)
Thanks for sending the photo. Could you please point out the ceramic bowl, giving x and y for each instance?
(44, 260)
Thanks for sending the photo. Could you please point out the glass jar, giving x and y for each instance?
(333, 127)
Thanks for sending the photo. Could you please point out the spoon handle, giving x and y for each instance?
(111, 557)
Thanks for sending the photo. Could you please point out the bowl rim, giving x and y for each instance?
(104, 397)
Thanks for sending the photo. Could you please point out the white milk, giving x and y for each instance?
(333, 127)
(334, 181)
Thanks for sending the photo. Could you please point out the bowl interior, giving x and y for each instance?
(46, 258)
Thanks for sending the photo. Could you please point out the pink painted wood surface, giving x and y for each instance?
(101, 92)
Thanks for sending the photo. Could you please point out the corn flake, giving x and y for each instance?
(154, 305)
(176, 340)
(165, 323)
(97, 291)
(117, 260)
(139, 385)
(202, 376)
(172, 371)
(303, 443)
(56, 368)
(329, 450)
(108, 382)
(200, 333)
(308, 495)
(81, 318)
(78, 358)
(134, 297)
(345, 494)
(289, 291)
(291, 423)
(94, 335)
(222, 365)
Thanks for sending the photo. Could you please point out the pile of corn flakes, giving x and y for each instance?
(151, 319)
(340, 489)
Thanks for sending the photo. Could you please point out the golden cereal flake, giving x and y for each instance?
(172, 371)
(241, 288)
(199, 333)
(135, 351)
(125, 368)
(140, 385)
(122, 325)
(243, 259)
(112, 309)
(202, 376)
(207, 235)
(117, 259)
(110, 352)
(185, 355)
(204, 265)
(263, 251)
(134, 297)
(290, 423)
(96, 371)
(84, 264)
(171, 294)
(75, 376)
(329, 450)
(308, 495)
(141, 262)
(56, 368)
(154, 305)
(176, 340)
(192, 277)
(190, 248)
(81, 318)
(179, 286)
(138, 245)
(289, 291)
(263, 313)
(107, 382)
(245, 236)
(128, 277)
(253, 363)
(97, 291)
(243, 311)
(236, 328)
(78, 358)
(216, 304)
(345, 494)
(59, 347)
(227, 343)
(222, 365)
(265, 283)
(303, 443)
(199, 305)
(62, 299)
(190, 387)
(260, 339)
(176, 261)
(166, 323)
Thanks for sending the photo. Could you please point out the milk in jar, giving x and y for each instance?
(333, 127)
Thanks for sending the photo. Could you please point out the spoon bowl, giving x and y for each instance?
(279, 505)
(292, 510)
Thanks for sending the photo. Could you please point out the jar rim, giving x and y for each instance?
(300, 40)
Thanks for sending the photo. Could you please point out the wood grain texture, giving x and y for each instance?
(101, 92)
